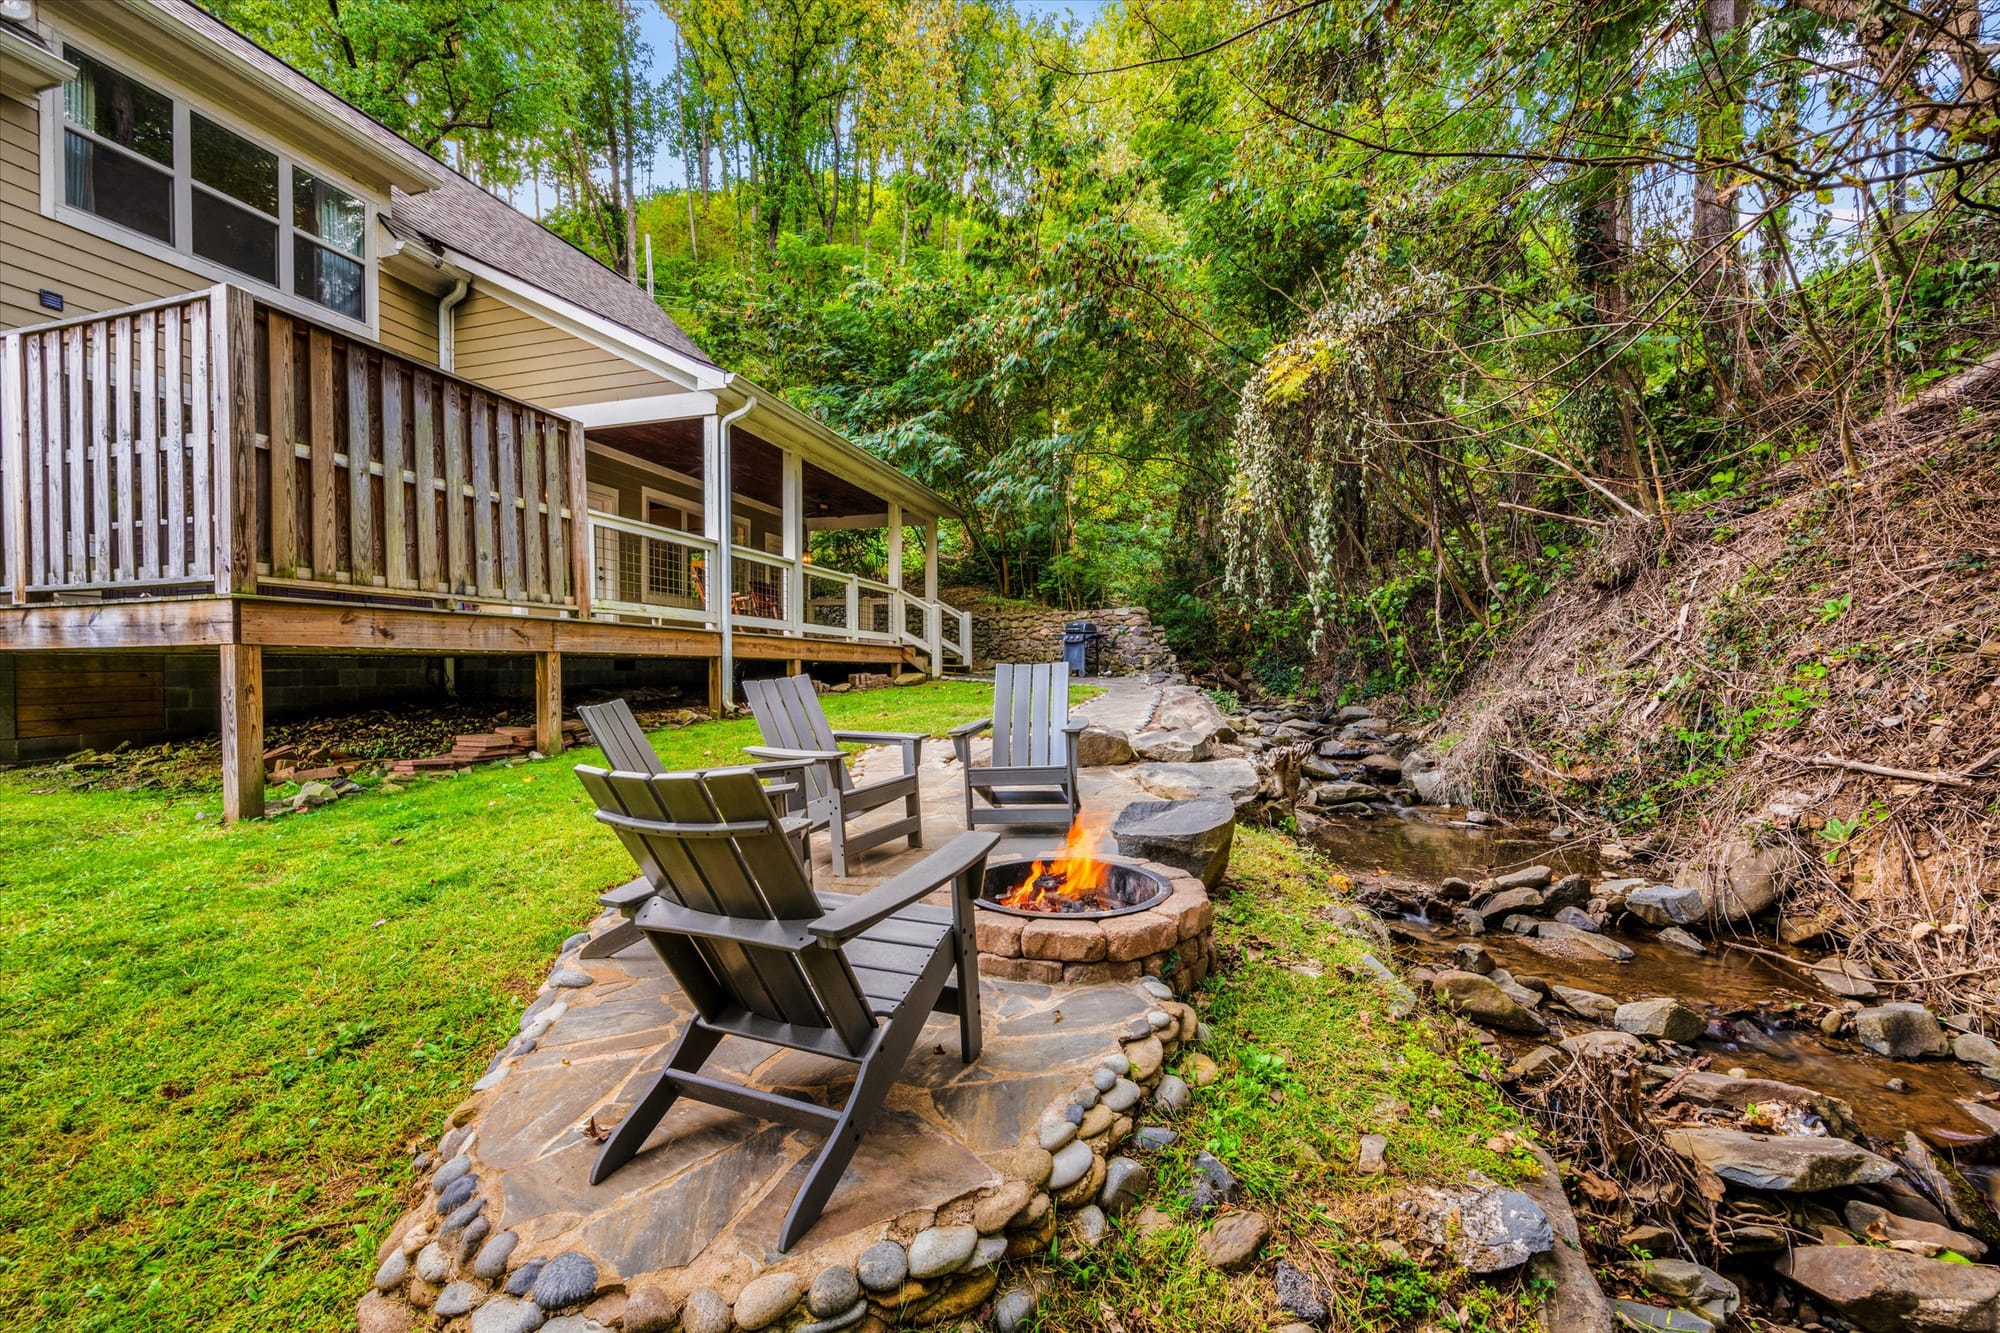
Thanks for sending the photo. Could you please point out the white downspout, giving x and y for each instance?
(724, 557)
(448, 324)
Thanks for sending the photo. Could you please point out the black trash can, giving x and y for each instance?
(1080, 646)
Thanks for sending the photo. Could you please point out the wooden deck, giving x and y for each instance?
(207, 472)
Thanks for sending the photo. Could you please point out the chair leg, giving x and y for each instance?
(913, 807)
(965, 945)
(877, 1075)
(836, 843)
(697, 1042)
(620, 937)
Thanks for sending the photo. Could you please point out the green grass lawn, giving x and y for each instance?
(1308, 1060)
(221, 1045)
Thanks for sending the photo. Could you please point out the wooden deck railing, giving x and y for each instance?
(212, 440)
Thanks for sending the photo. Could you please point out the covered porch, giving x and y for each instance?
(211, 472)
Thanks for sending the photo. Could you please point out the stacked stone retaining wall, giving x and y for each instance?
(1004, 630)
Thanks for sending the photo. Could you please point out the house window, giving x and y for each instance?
(149, 162)
(235, 199)
(118, 149)
(329, 225)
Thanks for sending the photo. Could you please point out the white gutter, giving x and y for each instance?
(724, 556)
(448, 324)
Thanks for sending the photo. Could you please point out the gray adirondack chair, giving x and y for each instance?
(1031, 775)
(794, 728)
(618, 733)
(758, 955)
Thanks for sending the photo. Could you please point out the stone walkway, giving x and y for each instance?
(699, 1209)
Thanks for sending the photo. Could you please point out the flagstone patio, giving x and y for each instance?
(965, 1158)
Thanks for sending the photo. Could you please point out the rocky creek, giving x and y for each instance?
(1748, 1125)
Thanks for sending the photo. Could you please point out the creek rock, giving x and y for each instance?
(1909, 1233)
(1682, 940)
(1890, 1291)
(1792, 1164)
(1705, 1088)
(1586, 1003)
(1485, 1003)
(1568, 937)
(1901, 1031)
(1974, 1049)
(1567, 892)
(1602, 1045)
(1194, 836)
(1236, 780)
(1666, 1019)
(1232, 1241)
(1529, 877)
(1340, 793)
(1663, 905)
(1659, 1318)
(1102, 747)
(1520, 899)
(1849, 978)
(1744, 880)
(1692, 1287)
(706, 1312)
(1420, 770)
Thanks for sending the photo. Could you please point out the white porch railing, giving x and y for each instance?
(638, 571)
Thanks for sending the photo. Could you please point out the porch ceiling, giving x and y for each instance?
(755, 466)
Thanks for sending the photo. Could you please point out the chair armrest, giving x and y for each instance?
(955, 858)
(659, 914)
(797, 756)
(910, 742)
(1075, 725)
(970, 728)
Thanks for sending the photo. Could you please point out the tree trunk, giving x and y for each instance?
(1717, 276)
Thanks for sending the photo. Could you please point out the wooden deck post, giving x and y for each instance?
(715, 698)
(242, 732)
(232, 365)
(548, 703)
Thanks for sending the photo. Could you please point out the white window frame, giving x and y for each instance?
(180, 253)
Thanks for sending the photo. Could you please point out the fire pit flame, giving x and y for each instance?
(1074, 878)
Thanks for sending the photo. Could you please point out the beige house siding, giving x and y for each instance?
(37, 252)
(409, 319)
(519, 354)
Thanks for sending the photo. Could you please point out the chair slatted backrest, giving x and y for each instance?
(618, 734)
(712, 843)
(789, 715)
(1030, 705)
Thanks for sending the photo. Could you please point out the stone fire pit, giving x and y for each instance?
(1173, 938)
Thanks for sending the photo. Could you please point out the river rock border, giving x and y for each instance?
(442, 1260)
(1173, 941)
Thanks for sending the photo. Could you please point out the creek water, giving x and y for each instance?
(1759, 1008)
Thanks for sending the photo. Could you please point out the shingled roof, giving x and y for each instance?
(459, 215)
